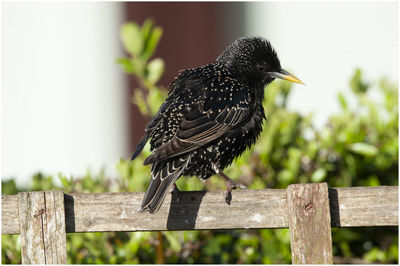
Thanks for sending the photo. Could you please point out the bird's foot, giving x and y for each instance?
(231, 185)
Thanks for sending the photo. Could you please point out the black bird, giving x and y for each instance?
(212, 114)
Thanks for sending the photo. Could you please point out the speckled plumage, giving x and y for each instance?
(213, 113)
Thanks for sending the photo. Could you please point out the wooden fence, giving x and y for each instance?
(308, 210)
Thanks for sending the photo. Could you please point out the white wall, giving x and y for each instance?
(323, 42)
(63, 97)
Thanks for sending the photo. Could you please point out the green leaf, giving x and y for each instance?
(132, 38)
(293, 162)
(146, 29)
(319, 175)
(372, 181)
(126, 64)
(64, 181)
(156, 98)
(374, 255)
(152, 42)
(138, 66)
(9, 187)
(155, 69)
(285, 176)
(139, 100)
(357, 84)
(173, 241)
(342, 101)
(363, 149)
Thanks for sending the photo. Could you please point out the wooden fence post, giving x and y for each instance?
(42, 227)
(40, 219)
(310, 224)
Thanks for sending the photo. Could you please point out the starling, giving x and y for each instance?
(212, 114)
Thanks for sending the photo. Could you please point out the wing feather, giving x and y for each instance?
(198, 130)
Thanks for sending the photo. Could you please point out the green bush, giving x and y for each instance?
(357, 147)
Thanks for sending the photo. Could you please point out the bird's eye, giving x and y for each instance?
(261, 67)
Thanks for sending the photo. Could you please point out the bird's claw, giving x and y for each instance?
(229, 187)
(241, 186)
(228, 197)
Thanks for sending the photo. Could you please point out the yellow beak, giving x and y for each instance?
(283, 74)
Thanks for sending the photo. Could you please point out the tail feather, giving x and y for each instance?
(163, 175)
(140, 146)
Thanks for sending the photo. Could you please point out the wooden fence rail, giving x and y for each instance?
(309, 210)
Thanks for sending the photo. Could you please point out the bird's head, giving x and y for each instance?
(254, 60)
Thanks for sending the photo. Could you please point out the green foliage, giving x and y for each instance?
(141, 43)
(357, 147)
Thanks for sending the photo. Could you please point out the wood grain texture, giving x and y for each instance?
(31, 210)
(189, 210)
(9, 215)
(55, 240)
(42, 223)
(266, 208)
(309, 224)
(364, 206)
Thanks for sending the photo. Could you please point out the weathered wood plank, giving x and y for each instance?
(195, 210)
(364, 206)
(42, 223)
(266, 208)
(55, 240)
(309, 224)
(31, 209)
(9, 215)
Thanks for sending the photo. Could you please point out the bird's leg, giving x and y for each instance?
(230, 185)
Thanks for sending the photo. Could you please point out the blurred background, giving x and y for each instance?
(79, 85)
(65, 103)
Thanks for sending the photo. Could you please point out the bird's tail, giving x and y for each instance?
(140, 147)
(163, 175)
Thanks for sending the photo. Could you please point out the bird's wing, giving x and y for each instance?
(151, 126)
(189, 81)
(199, 127)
